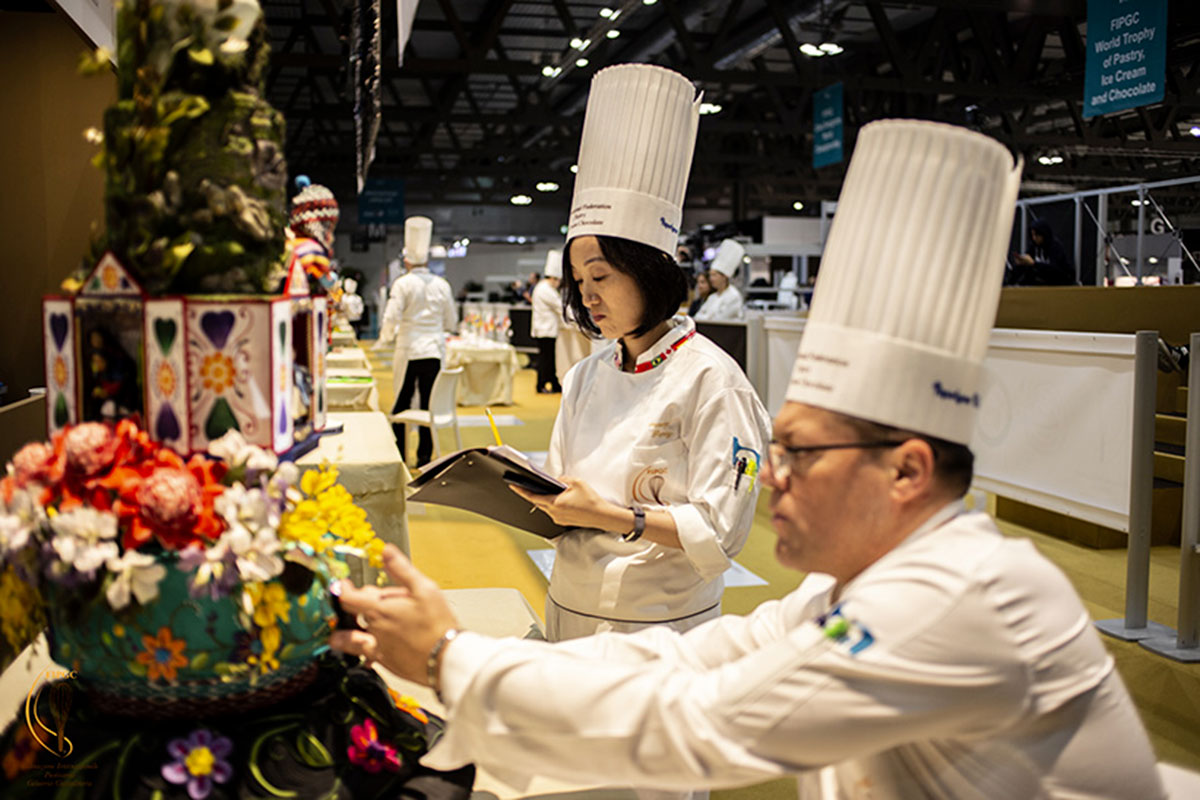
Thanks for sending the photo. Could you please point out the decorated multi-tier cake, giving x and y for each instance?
(180, 564)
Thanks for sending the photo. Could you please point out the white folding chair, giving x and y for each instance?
(443, 409)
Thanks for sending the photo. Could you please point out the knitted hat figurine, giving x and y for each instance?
(313, 220)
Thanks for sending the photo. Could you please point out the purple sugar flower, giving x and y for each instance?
(199, 761)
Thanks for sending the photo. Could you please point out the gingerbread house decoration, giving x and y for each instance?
(193, 366)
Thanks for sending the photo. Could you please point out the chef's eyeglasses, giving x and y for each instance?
(781, 457)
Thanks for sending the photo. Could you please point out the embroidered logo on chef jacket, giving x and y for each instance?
(664, 431)
(845, 632)
(745, 462)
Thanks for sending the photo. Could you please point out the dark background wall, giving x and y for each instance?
(49, 192)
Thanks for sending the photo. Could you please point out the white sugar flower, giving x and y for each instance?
(257, 553)
(137, 574)
(238, 505)
(235, 451)
(87, 524)
(14, 533)
(83, 538)
(19, 517)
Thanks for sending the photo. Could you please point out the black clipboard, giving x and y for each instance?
(477, 480)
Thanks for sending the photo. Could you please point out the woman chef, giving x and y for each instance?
(660, 435)
(725, 303)
(420, 310)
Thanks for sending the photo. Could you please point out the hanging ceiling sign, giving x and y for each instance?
(827, 126)
(381, 202)
(1126, 63)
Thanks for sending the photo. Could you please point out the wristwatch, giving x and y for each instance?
(639, 524)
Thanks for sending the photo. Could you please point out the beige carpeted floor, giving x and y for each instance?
(462, 550)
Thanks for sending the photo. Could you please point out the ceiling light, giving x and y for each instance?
(606, 12)
(465, 241)
(562, 229)
(614, 33)
(832, 48)
(551, 72)
(511, 239)
(811, 50)
(577, 43)
(581, 63)
(1153, 259)
(520, 199)
(575, 169)
(798, 206)
(547, 186)
(710, 108)
(1195, 131)
(520, 240)
(1135, 202)
(649, 2)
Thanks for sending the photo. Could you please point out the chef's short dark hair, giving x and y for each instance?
(953, 463)
(662, 283)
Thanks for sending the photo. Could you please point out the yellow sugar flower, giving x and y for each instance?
(269, 601)
(21, 614)
(314, 481)
(271, 638)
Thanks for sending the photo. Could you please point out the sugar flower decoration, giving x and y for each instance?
(368, 752)
(199, 761)
(84, 538)
(136, 574)
(212, 570)
(163, 655)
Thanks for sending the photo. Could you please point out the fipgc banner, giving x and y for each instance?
(1126, 62)
(827, 126)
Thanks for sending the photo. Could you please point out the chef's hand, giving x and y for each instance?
(578, 506)
(403, 621)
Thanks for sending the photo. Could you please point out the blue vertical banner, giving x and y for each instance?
(381, 202)
(827, 126)
(1126, 64)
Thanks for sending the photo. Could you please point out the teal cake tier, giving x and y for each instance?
(183, 647)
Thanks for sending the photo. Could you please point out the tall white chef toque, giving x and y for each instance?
(553, 268)
(639, 132)
(728, 258)
(418, 232)
(910, 279)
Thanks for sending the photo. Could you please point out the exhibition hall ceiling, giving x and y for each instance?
(489, 101)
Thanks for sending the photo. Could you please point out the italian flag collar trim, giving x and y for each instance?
(646, 366)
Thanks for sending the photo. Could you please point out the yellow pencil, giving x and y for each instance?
(492, 422)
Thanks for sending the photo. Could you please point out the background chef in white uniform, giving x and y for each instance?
(546, 319)
(659, 432)
(725, 303)
(933, 658)
(420, 310)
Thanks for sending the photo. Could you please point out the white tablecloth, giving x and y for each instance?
(346, 390)
(488, 370)
(370, 468)
(343, 337)
(347, 358)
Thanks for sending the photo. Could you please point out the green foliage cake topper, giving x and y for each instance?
(195, 190)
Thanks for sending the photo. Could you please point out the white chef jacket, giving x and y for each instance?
(547, 311)
(722, 306)
(420, 309)
(662, 437)
(961, 664)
